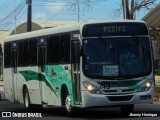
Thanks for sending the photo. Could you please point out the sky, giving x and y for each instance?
(62, 10)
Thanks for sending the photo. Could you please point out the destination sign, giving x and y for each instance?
(114, 29)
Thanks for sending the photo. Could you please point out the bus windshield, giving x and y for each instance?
(126, 57)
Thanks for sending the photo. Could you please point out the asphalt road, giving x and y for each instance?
(140, 112)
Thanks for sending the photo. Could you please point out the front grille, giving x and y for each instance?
(128, 90)
(118, 87)
(120, 98)
(110, 91)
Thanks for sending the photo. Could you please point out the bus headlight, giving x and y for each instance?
(146, 86)
(91, 88)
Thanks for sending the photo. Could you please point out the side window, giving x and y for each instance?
(7, 55)
(65, 48)
(33, 52)
(53, 49)
(23, 53)
(20, 53)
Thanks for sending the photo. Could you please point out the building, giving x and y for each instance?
(38, 25)
(3, 34)
(153, 21)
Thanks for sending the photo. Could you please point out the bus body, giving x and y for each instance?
(80, 66)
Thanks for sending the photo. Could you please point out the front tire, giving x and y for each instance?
(68, 105)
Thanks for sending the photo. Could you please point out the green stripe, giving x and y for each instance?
(30, 75)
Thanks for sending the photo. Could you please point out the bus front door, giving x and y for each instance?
(41, 69)
(75, 59)
(14, 55)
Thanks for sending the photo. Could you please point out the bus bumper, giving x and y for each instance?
(99, 100)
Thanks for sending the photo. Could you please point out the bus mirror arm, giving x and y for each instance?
(78, 53)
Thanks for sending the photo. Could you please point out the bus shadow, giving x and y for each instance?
(84, 113)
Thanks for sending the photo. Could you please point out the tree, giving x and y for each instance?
(131, 6)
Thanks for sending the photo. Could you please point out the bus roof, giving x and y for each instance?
(43, 32)
(61, 29)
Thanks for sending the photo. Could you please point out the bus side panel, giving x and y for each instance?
(20, 83)
(57, 77)
(34, 92)
(8, 83)
(52, 98)
(26, 76)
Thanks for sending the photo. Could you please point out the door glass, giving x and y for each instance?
(14, 60)
(41, 58)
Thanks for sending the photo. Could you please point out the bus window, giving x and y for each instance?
(33, 52)
(65, 48)
(103, 57)
(7, 55)
(42, 57)
(53, 50)
(23, 53)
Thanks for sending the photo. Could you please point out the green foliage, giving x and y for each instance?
(158, 36)
(157, 67)
(157, 93)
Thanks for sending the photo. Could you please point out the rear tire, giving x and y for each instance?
(27, 102)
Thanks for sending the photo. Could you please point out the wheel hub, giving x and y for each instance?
(68, 104)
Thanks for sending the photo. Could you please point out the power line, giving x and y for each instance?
(10, 15)
(4, 4)
(54, 15)
(46, 5)
(71, 4)
(8, 20)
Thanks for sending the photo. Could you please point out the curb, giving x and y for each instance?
(156, 102)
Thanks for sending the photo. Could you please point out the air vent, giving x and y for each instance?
(110, 90)
(120, 98)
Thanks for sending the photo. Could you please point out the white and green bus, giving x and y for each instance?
(81, 66)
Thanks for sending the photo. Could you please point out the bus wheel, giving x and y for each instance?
(26, 98)
(68, 105)
(127, 109)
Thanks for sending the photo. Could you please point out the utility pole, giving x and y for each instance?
(29, 16)
(78, 9)
(125, 9)
(15, 30)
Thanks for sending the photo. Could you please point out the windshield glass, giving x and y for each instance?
(116, 57)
